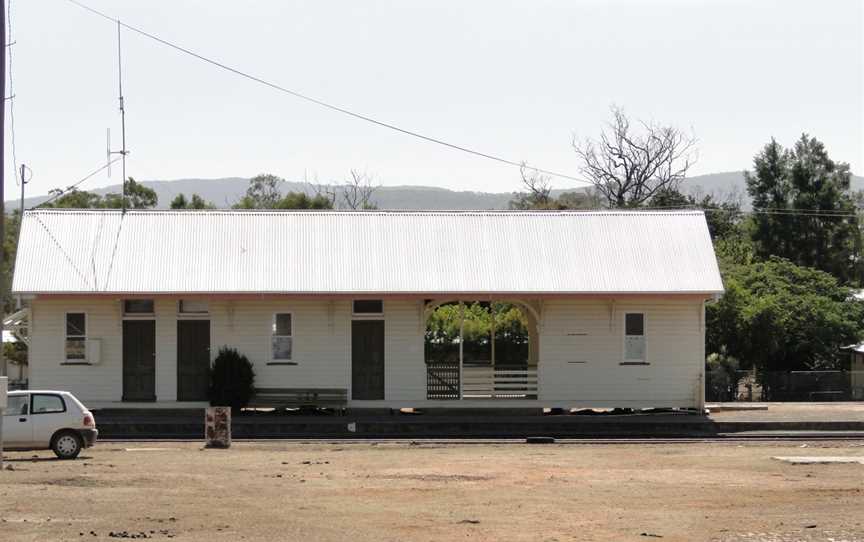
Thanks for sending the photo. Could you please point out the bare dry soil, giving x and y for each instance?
(410, 491)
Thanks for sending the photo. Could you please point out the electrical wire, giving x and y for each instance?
(827, 213)
(75, 185)
(324, 104)
(69, 259)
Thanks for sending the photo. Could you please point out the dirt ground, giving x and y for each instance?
(409, 491)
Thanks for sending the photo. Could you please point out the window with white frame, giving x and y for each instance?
(634, 336)
(282, 337)
(76, 336)
(138, 307)
(367, 307)
(193, 306)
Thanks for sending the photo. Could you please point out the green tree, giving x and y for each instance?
(10, 245)
(807, 213)
(179, 202)
(299, 200)
(72, 198)
(197, 202)
(511, 333)
(776, 315)
(723, 217)
(232, 379)
(264, 192)
(138, 196)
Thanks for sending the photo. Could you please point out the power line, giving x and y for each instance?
(789, 211)
(69, 259)
(324, 104)
(73, 186)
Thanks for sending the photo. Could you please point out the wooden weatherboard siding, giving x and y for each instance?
(580, 354)
(582, 350)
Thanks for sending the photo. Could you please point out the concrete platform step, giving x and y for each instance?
(190, 424)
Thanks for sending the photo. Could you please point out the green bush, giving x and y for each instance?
(232, 380)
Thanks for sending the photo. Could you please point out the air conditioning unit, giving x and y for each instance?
(94, 351)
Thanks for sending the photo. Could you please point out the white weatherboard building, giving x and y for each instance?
(130, 309)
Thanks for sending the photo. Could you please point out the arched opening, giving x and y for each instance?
(481, 350)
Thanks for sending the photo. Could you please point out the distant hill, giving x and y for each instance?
(224, 192)
(732, 183)
(227, 191)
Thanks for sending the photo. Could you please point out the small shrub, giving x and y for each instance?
(232, 380)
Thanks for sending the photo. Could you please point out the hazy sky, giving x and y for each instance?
(516, 79)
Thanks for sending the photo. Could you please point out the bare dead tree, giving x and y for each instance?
(538, 185)
(357, 192)
(628, 168)
(321, 190)
(538, 193)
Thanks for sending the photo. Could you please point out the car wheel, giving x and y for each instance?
(67, 445)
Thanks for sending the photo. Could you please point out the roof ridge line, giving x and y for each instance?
(372, 212)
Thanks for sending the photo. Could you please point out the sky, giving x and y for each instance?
(514, 79)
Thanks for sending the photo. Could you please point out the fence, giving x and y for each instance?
(499, 382)
(801, 386)
(442, 380)
(480, 381)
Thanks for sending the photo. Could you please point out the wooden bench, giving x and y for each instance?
(299, 398)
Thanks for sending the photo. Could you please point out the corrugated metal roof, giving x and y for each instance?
(78, 251)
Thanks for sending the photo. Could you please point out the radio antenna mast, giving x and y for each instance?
(123, 151)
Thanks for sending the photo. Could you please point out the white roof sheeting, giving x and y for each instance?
(98, 251)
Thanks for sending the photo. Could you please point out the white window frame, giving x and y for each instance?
(139, 315)
(624, 359)
(368, 315)
(192, 315)
(272, 334)
(66, 358)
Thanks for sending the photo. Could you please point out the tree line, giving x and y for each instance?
(265, 191)
(790, 267)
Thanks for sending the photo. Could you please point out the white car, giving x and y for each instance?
(42, 420)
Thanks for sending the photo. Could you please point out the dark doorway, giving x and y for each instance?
(139, 360)
(367, 359)
(193, 360)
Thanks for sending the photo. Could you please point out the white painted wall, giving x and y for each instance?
(582, 348)
(320, 344)
(404, 363)
(103, 382)
(589, 331)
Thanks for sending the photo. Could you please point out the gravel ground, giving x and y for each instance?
(403, 491)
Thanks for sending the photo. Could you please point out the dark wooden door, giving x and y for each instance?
(193, 359)
(139, 360)
(367, 359)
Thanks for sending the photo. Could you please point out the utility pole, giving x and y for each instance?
(20, 223)
(23, 182)
(122, 116)
(3, 371)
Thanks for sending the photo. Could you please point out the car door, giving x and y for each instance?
(17, 423)
(48, 413)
